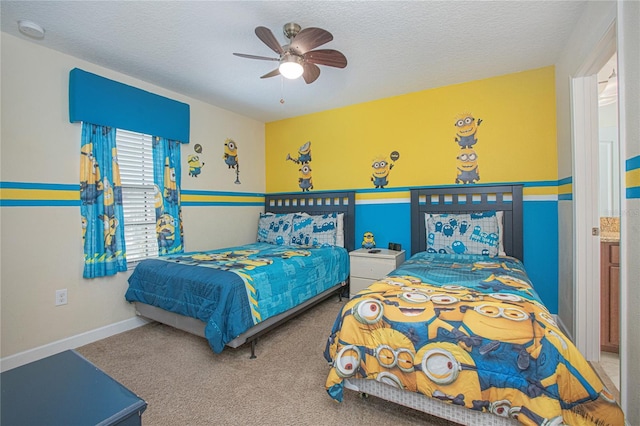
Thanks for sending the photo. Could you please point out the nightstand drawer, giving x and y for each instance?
(358, 284)
(365, 268)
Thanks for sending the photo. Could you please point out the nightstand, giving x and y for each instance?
(367, 267)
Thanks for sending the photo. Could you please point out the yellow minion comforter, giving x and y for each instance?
(471, 331)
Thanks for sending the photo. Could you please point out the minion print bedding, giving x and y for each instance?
(233, 289)
(468, 330)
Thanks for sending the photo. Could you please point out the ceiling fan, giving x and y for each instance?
(298, 57)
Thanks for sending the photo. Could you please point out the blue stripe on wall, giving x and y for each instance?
(633, 192)
(633, 163)
(31, 185)
(565, 181)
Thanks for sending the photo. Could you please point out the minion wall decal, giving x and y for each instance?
(305, 181)
(466, 130)
(231, 157)
(467, 160)
(467, 166)
(381, 168)
(195, 166)
(304, 154)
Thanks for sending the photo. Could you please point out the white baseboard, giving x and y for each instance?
(21, 358)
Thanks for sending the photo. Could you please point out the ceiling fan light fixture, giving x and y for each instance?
(291, 66)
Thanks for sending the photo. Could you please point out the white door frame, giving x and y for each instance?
(586, 259)
(586, 246)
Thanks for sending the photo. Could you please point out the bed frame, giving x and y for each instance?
(467, 199)
(456, 199)
(310, 202)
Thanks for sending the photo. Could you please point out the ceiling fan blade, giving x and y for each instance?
(329, 57)
(264, 58)
(269, 39)
(271, 74)
(310, 38)
(311, 72)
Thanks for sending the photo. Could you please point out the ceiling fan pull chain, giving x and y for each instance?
(281, 90)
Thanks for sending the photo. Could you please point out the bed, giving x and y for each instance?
(234, 295)
(462, 335)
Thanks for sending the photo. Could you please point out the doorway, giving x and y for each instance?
(586, 204)
(609, 212)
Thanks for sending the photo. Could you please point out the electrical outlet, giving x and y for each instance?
(61, 297)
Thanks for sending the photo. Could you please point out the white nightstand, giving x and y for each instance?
(367, 267)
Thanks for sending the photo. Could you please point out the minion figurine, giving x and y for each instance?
(466, 130)
(367, 241)
(305, 181)
(230, 153)
(467, 166)
(381, 168)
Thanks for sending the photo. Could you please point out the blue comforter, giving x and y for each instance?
(233, 289)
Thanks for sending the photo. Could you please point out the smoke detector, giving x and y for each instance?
(31, 29)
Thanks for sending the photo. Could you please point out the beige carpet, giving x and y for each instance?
(185, 383)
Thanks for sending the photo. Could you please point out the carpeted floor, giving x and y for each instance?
(185, 383)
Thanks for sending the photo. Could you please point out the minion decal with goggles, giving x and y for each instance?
(230, 153)
(381, 168)
(304, 154)
(466, 130)
(467, 166)
(305, 181)
(195, 166)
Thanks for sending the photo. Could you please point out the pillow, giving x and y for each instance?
(500, 216)
(275, 228)
(340, 231)
(315, 231)
(474, 233)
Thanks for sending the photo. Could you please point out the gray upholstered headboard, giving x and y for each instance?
(318, 203)
(467, 199)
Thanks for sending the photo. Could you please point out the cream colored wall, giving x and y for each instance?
(42, 246)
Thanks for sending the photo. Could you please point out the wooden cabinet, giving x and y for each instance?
(367, 266)
(609, 296)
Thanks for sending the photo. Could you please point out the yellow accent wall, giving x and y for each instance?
(516, 138)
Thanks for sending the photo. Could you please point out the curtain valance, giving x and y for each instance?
(125, 107)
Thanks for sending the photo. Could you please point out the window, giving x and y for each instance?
(135, 160)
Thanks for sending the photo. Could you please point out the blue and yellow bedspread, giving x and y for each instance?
(233, 289)
(471, 331)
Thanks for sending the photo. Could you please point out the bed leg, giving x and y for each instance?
(253, 349)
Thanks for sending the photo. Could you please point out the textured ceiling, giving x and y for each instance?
(392, 47)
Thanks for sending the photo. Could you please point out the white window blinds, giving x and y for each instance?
(135, 159)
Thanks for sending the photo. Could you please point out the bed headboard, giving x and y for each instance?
(316, 203)
(467, 199)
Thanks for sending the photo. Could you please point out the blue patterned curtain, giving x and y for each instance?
(167, 172)
(101, 202)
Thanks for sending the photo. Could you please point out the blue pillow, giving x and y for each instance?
(474, 233)
(275, 228)
(315, 231)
